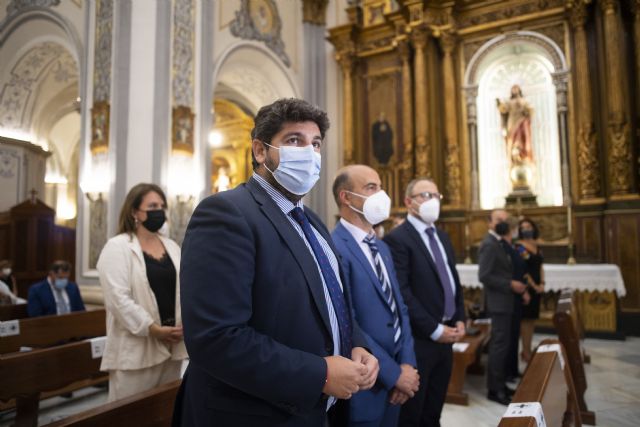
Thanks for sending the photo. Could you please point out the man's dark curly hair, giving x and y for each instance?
(271, 118)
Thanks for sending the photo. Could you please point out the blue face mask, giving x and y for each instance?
(61, 283)
(299, 168)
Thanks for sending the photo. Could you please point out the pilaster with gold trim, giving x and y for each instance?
(618, 126)
(453, 195)
(404, 49)
(419, 37)
(347, 61)
(635, 9)
(587, 143)
(315, 12)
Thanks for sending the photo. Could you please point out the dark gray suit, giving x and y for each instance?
(496, 272)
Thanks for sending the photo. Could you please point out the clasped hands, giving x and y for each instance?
(348, 376)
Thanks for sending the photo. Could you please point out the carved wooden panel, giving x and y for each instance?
(589, 238)
(623, 247)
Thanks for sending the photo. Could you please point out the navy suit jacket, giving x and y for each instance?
(256, 323)
(374, 316)
(419, 281)
(41, 301)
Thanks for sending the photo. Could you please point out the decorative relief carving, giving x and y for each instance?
(507, 12)
(419, 37)
(103, 46)
(25, 76)
(560, 82)
(376, 44)
(448, 42)
(452, 173)
(18, 6)
(9, 163)
(555, 33)
(183, 46)
(578, 12)
(259, 20)
(620, 157)
(609, 6)
(314, 12)
(589, 167)
(470, 48)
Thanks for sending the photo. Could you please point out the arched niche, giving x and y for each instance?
(535, 61)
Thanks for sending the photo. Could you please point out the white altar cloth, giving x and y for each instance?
(580, 277)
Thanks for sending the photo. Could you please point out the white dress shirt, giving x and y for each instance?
(421, 227)
(55, 295)
(359, 235)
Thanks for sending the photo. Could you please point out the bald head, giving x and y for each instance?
(496, 216)
(345, 179)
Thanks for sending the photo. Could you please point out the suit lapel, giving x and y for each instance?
(417, 240)
(355, 250)
(296, 245)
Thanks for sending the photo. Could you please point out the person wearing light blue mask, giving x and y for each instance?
(267, 320)
(55, 294)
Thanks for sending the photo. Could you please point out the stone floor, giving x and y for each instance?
(613, 392)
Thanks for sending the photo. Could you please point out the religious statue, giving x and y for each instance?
(516, 116)
(382, 136)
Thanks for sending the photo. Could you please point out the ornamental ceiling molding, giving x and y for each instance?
(183, 56)
(16, 7)
(554, 53)
(259, 20)
(27, 73)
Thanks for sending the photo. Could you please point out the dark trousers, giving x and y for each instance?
(514, 339)
(435, 361)
(498, 351)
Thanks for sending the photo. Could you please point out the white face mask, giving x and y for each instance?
(6, 271)
(299, 168)
(429, 211)
(376, 207)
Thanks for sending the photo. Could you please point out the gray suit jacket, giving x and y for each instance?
(495, 272)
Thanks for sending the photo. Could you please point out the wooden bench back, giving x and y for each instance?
(46, 331)
(152, 408)
(13, 311)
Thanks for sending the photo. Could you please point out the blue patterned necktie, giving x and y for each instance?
(330, 279)
(385, 285)
(447, 286)
(61, 305)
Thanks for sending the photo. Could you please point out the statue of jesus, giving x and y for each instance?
(516, 127)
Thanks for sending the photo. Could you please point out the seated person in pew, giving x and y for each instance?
(55, 294)
(8, 285)
(6, 275)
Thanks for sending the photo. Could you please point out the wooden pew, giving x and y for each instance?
(466, 361)
(13, 311)
(152, 408)
(546, 382)
(25, 376)
(46, 331)
(568, 326)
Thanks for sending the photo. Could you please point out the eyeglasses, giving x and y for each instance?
(428, 195)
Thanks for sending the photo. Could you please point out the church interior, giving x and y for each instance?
(532, 106)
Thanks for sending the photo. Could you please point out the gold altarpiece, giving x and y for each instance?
(408, 110)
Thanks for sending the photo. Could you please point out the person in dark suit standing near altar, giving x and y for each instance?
(267, 318)
(426, 267)
(377, 301)
(495, 272)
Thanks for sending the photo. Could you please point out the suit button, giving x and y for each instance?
(329, 350)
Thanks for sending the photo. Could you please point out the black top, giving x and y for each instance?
(162, 278)
(533, 265)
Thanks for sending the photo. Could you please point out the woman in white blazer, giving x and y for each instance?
(139, 275)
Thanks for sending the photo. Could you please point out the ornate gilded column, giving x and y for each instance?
(347, 62)
(560, 81)
(587, 143)
(619, 131)
(471, 93)
(407, 119)
(422, 150)
(635, 8)
(453, 195)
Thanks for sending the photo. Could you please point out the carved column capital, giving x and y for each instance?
(609, 6)
(419, 37)
(578, 13)
(404, 50)
(448, 42)
(315, 12)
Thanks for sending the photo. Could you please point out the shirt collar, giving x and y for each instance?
(418, 224)
(283, 203)
(494, 234)
(358, 234)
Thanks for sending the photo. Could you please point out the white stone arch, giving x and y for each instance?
(481, 60)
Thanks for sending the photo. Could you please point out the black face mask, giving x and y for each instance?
(155, 220)
(502, 229)
(527, 234)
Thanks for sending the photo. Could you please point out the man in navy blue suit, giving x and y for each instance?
(267, 320)
(426, 269)
(55, 294)
(378, 305)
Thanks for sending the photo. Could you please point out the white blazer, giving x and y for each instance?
(131, 306)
